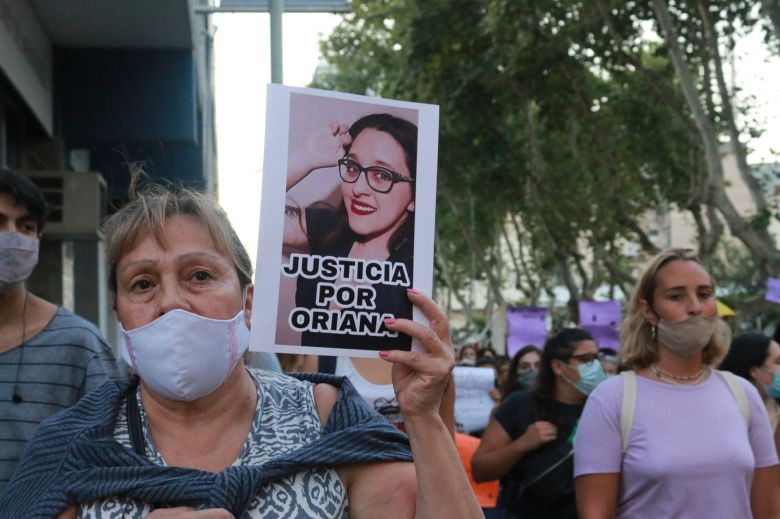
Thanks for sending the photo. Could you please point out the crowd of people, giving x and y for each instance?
(676, 424)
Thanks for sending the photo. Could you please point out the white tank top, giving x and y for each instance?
(381, 397)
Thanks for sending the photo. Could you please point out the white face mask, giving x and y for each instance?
(18, 257)
(184, 356)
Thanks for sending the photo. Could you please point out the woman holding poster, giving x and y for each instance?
(359, 256)
(198, 434)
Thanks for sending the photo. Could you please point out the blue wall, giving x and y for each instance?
(129, 105)
(117, 94)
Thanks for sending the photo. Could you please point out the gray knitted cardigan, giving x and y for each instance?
(74, 459)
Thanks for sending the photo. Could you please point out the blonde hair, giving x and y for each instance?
(146, 211)
(640, 347)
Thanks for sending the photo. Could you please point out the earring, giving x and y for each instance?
(654, 332)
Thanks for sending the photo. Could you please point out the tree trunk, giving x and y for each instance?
(529, 273)
(757, 240)
(772, 9)
(475, 249)
(559, 253)
(445, 273)
(727, 112)
(515, 263)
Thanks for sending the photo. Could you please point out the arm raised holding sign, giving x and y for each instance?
(420, 380)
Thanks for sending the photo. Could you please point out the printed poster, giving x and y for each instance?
(602, 319)
(773, 290)
(473, 404)
(346, 221)
(525, 325)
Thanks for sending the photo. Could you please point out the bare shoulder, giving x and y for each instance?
(68, 513)
(325, 396)
(379, 490)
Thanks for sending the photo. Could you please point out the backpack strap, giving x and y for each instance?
(628, 407)
(739, 393)
(629, 401)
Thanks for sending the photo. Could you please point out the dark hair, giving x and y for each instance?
(510, 384)
(560, 346)
(25, 193)
(466, 347)
(748, 350)
(486, 362)
(405, 134)
(487, 351)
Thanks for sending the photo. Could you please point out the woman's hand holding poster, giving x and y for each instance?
(347, 223)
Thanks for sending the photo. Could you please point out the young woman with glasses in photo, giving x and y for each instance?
(674, 438)
(376, 162)
(376, 159)
(528, 441)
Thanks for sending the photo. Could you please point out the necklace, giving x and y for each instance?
(16, 397)
(684, 379)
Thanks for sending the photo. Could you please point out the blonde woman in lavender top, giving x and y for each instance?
(693, 451)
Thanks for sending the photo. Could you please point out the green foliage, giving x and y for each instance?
(560, 113)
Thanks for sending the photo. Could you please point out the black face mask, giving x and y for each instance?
(525, 380)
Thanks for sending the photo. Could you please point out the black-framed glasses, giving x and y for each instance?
(379, 179)
(585, 358)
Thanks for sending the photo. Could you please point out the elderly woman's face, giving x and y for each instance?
(370, 213)
(188, 273)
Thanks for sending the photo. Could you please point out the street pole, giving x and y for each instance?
(276, 8)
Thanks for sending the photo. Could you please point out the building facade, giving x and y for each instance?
(88, 90)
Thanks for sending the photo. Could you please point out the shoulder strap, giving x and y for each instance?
(546, 471)
(134, 422)
(327, 364)
(739, 394)
(628, 407)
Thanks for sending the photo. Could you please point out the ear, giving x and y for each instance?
(250, 292)
(557, 367)
(754, 373)
(647, 312)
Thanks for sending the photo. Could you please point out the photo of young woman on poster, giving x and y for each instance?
(355, 256)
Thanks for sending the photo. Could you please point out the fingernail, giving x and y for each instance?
(384, 354)
(390, 320)
(413, 291)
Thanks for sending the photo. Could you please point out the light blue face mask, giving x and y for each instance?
(591, 375)
(773, 389)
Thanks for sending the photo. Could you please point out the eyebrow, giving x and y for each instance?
(380, 163)
(683, 287)
(184, 257)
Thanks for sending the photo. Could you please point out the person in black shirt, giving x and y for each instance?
(528, 441)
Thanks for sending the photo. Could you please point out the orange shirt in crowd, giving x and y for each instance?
(487, 493)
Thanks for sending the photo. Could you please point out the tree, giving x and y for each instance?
(561, 126)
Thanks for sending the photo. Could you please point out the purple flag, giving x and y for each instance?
(602, 320)
(605, 336)
(773, 290)
(525, 325)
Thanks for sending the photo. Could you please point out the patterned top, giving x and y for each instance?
(286, 419)
(50, 372)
